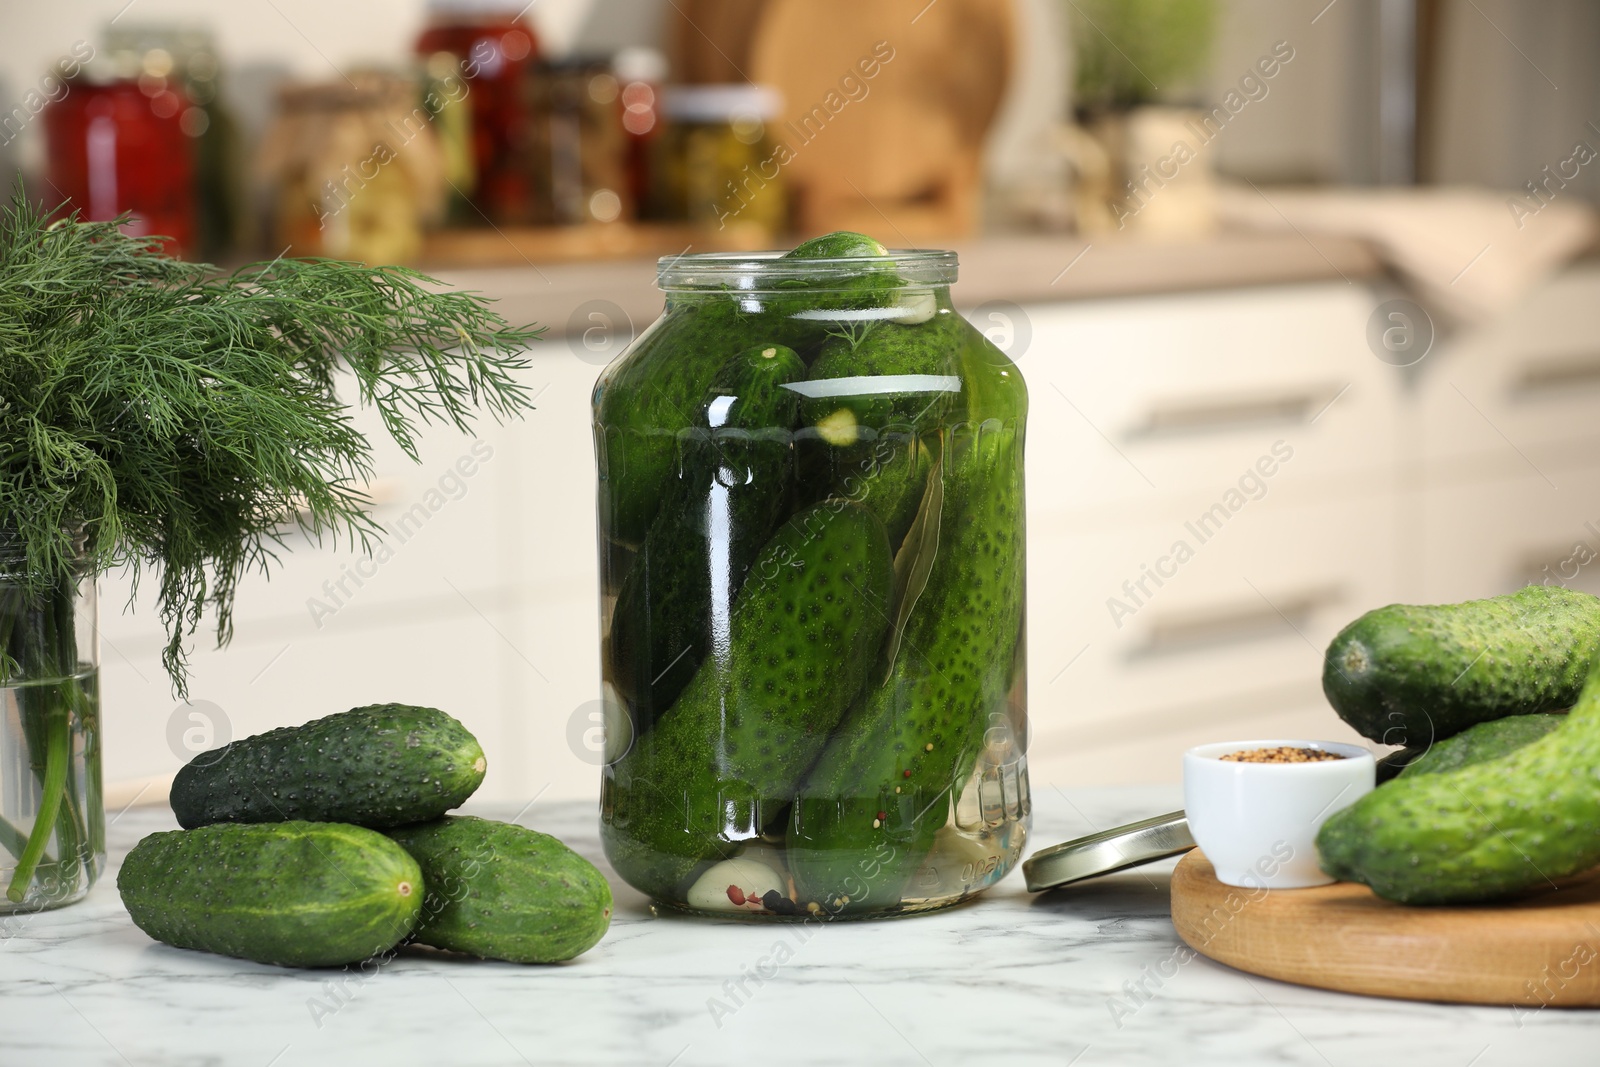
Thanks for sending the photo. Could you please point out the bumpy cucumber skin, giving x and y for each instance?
(742, 463)
(645, 402)
(378, 766)
(888, 477)
(298, 894)
(883, 348)
(839, 244)
(504, 892)
(645, 399)
(869, 810)
(800, 642)
(857, 289)
(1481, 743)
(1411, 675)
(1481, 832)
(869, 448)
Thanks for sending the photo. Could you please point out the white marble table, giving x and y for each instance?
(1011, 978)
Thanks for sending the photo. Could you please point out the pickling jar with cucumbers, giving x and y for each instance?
(811, 560)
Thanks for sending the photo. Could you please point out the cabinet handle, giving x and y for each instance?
(1229, 412)
(1237, 622)
(1543, 375)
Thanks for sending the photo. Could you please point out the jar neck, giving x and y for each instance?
(775, 273)
(755, 300)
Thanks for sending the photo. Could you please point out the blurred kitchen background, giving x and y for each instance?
(1305, 292)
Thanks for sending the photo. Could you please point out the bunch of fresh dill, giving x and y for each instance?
(156, 414)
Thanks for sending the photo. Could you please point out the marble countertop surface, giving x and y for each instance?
(1082, 976)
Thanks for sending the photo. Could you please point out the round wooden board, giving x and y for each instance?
(1542, 951)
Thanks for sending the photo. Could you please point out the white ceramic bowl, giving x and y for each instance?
(1257, 822)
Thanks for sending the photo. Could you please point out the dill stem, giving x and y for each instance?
(58, 745)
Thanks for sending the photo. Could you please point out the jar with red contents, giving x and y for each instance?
(125, 144)
(492, 50)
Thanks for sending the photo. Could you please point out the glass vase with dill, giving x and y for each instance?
(52, 821)
(164, 417)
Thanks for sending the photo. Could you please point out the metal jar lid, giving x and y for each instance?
(1108, 851)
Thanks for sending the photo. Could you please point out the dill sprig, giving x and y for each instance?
(154, 413)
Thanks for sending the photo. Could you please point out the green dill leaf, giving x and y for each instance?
(154, 413)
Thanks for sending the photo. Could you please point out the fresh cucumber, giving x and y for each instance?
(1483, 831)
(381, 765)
(1481, 743)
(300, 894)
(505, 892)
(735, 481)
(1412, 675)
(725, 758)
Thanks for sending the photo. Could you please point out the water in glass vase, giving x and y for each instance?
(50, 770)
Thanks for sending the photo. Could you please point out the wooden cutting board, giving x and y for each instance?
(1543, 951)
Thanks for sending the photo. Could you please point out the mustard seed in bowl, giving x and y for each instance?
(1281, 754)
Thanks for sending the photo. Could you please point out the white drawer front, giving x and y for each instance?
(1133, 401)
(1236, 630)
(1519, 393)
(1494, 536)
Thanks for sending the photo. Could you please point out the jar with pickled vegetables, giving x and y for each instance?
(812, 562)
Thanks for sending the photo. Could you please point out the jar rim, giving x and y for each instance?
(759, 271)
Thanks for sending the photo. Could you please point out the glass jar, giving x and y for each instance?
(812, 561)
(478, 55)
(121, 146)
(357, 170)
(165, 55)
(580, 145)
(717, 164)
(52, 821)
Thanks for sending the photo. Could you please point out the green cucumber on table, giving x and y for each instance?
(1481, 743)
(301, 894)
(378, 766)
(1484, 825)
(1413, 675)
(501, 891)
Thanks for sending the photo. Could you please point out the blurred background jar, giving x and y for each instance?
(716, 163)
(143, 130)
(486, 129)
(579, 144)
(186, 56)
(357, 170)
(640, 73)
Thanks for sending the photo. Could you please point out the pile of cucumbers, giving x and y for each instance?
(1499, 793)
(815, 578)
(328, 843)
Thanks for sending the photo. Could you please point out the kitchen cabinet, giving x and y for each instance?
(1464, 476)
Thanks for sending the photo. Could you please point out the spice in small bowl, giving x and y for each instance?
(1282, 754)
(1254, 807)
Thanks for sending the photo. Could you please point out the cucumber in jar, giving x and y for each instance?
(795, 651)
(868, 813)
(646, 404)
(873, 394)
(735, 483)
